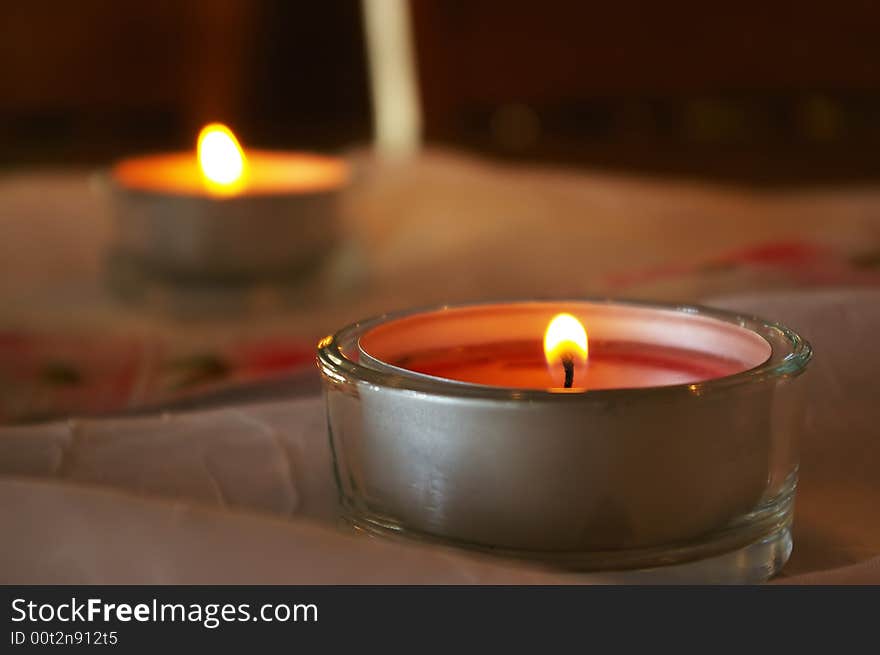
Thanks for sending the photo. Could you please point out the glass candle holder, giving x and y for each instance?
(685, 473)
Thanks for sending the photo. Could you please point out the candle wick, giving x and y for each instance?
(568, 365)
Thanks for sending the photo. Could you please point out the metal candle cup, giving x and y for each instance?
(596, 479)
(284, 220)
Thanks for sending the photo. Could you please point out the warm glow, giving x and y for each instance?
(565, 337)
(221, 159)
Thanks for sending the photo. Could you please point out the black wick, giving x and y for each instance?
(568, 365)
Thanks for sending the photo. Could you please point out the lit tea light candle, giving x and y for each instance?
(592, 435)
(502, 346)
(219, 168)
(221, 211)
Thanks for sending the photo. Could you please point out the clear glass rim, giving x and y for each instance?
(336, 366)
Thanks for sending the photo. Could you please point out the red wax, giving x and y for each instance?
(501, 345)
(611, 365)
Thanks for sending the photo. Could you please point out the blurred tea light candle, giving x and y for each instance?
(594, 435)
(223, 212)
(220, 168)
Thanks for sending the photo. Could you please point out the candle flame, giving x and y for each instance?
(565, 337)
(221, 160)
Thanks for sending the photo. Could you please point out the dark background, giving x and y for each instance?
(760, 92)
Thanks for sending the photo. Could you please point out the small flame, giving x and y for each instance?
(221, 160)
(565, 337)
